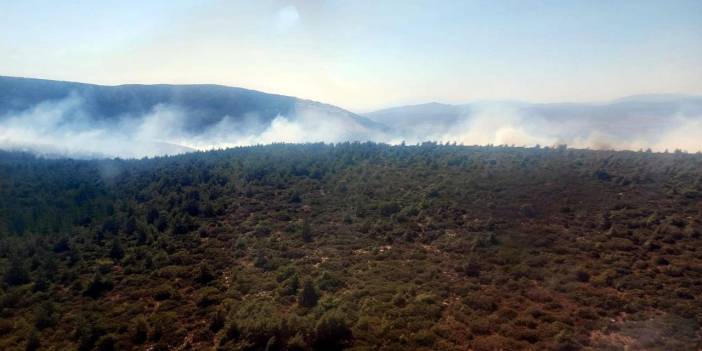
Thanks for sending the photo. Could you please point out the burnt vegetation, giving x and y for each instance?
(358, 246)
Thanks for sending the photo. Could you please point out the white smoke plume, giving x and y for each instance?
(63, 128)
(505, 124)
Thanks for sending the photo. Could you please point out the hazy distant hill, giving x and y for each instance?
(205, 104)
(65, 118)
(136, 120)
(640, 108)
(628, 109)
(637, 117)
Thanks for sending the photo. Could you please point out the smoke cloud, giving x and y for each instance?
(507, 124)
(63, 128)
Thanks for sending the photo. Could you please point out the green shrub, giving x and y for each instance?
(97, 286)
(16, 273)
(163, 292)
(106, 343)
(290, 286)
(297, 343)
(208, 296)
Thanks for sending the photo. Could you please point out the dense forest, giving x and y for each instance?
(356, 246)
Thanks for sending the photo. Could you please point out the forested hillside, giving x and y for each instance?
(359, 246)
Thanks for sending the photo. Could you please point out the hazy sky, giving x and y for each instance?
(363, 55)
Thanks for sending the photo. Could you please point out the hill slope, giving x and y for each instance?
(367, 246)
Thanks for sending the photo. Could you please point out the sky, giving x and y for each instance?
(365, 55)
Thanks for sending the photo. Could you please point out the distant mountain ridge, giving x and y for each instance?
(639, 116)
(205, 104)
(134, 120)
(56, 118)
(685, 103)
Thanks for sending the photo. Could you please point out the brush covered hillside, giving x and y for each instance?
(356, 246)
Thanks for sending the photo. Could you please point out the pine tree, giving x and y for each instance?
(32, 341)
(130, 226)
(332, 332)
(62, 245)
(142, 237)
(45, 316)
(152, 216)
(306, 231)
(204, 274)
(218, 319)
(41, 284)
(141, 331)
(309, 295)
(116, 252)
